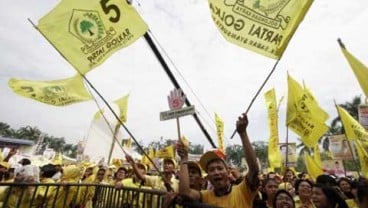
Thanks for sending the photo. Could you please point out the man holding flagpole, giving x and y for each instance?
(224, 194)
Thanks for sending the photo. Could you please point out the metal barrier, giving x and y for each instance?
(46, 195)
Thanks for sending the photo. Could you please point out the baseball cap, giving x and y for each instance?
(195, 165)
(170, 160)
(209, 156)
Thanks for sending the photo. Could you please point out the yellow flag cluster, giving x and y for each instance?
(220, 132)
(58, 92)
(304, 116)
(359, 69)
(264, 27)
(274, 154)
(87, 32)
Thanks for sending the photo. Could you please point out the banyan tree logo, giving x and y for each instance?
(266, 12)
(54, 92)
(87, 26)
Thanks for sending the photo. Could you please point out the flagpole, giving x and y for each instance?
(117, 127)
(103, 99)
(259, 90)
(176, 84)
(349, 145)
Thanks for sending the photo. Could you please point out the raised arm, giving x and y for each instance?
(184, 187)
(138, 173)
(250, 154)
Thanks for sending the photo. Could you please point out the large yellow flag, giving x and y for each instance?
(359, 69)
(274, 154)
(353, 129)
(363, 158)
(123, 107)
(312, 167)
(265, 27)
(302, 116)
(87, 32)
(57, 92)
(220, 132)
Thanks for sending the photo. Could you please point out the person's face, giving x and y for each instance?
(289, 175)
(284, 201)
(168, 166)
(88, 172)
(195, 178)
(100, 175)
(218, 174)
(319, 198)
(345, 186)
(271, 188)
(304, 189)
(120, 175)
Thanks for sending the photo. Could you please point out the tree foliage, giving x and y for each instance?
(34, 134)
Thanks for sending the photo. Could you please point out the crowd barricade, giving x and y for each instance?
(69, 195)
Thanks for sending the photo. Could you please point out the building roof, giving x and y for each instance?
(13, 141)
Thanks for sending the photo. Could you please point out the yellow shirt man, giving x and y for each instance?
(240, 196)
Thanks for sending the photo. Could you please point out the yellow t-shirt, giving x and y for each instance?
(156, 182)
(240, 196)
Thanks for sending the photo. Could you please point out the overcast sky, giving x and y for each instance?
(223, 76)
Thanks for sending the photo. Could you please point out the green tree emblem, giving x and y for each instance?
(86, 26)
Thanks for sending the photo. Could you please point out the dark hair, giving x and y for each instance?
(298, 182)
(48, 170)
(362, 189)
(25, 161)
(332, 195)
(326, 180)
(282, 191)
(343, 179)
(121, 168)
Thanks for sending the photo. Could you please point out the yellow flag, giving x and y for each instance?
(312, 168)
(122, 104)
(274, 154)
(127, 143)
(58, 92)
(220, 132)
(123, 107)
(166, 152)
(317, 155)
(264, 27)
(353, 129)
(87, 32)
(146, 161)
(359, 69)
(363, 158)
(302, 117)
(314, 106)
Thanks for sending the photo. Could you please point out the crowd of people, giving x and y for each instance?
(209, 182)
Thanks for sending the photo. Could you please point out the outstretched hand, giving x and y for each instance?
(129, 159)
(182, 150)
(242, 124)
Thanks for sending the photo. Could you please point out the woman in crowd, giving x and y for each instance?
(345, 186)
(327, 197)
(283, 199)
(303, 191)
(270, 187)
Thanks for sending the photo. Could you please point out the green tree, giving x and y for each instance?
(86, 26)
